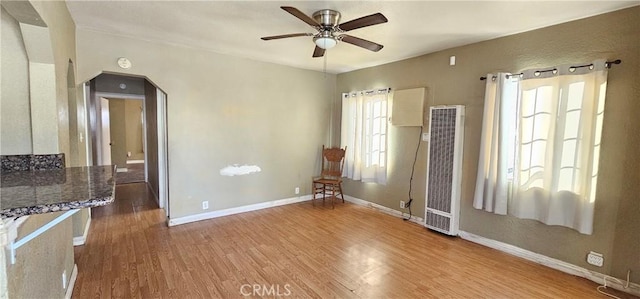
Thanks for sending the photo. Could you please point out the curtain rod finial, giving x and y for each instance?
(609, 63)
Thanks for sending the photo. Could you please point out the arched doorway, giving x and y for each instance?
(108, 92)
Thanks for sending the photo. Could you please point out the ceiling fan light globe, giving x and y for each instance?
(325, 42)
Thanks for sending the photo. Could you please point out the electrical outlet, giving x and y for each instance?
(596, 259)
(402, 204)
(297, 190)
(205, 205)
(64, 279)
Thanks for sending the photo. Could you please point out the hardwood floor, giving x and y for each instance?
(299, 251)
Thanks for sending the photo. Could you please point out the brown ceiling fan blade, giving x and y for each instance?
(300, 15)
(376, 18)
(286, 36)
(356, 41)
(318, 52)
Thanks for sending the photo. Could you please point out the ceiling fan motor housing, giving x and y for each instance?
(327, 18)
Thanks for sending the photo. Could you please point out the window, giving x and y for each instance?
(547, 167)
(364, 133)
(375, 131)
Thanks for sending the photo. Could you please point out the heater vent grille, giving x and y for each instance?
(446, 129)
(438, 221)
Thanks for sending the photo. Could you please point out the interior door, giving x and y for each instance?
(117, 124)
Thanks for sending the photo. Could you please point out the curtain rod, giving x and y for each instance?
(370, 91)
(607, 64)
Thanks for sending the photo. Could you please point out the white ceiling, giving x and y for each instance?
(414, 27)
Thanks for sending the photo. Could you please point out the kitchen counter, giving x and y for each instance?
(45, 191)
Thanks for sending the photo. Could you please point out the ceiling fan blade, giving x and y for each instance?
(300, 15)
(376, 18)
(318, 52)
(286, 36)
(356, 41)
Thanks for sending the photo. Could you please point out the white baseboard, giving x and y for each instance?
(383, 209)
(72, 282)
(237, 210)
(572, 269)
(80, 240)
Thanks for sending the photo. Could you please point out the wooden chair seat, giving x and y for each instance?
(327, 181)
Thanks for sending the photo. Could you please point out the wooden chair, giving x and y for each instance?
(330, 180)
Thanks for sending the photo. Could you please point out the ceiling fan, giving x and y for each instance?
(326, 22)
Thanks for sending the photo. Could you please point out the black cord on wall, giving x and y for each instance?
(413, 169)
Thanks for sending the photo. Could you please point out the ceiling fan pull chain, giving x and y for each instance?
(325, 65)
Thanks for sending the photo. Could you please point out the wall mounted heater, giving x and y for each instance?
(444, 168)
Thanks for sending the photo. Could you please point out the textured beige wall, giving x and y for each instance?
(224, 110)
(616, 223)
(44, 120)
(133, 125)
(15, 117)
(63, 42)
(79, 221)
(40, 264)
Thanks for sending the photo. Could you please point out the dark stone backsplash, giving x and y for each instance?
(11, 163)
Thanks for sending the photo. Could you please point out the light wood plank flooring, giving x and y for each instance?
(296, 250)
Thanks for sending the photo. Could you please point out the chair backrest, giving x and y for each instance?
(333, 161)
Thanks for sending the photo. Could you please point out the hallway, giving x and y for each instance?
(349, 252)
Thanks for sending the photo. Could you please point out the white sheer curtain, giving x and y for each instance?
(364, 132)
(543, 164)
(495, 166)
(558, 145)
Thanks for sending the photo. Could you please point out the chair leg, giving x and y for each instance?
(333, 196)
(341, 195)
(313, 189)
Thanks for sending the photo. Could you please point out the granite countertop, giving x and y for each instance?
(45, 191)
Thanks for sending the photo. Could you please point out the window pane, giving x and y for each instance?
(598, 128)
(375, 145)
(542, 123)
(574, 98)
(565, 180)
(525, 157)
(526, 125)
(376, 109)
(376, 126)
(603, 89)
(528, 102)
(538, 155)
(572, 124)
(383, 125)
(524, 177)
(537, 177)
(383, 108)
(544, 100)
(536, 183)
(568, 153)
